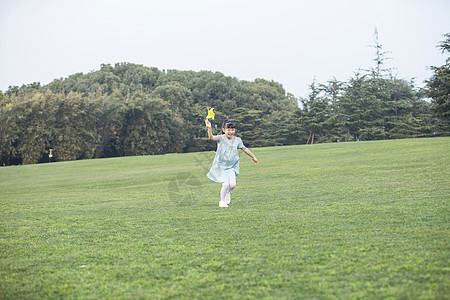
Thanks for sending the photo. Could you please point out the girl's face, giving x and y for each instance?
(229, 132)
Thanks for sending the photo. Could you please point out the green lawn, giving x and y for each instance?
(366, 220)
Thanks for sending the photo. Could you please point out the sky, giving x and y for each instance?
(293, 42)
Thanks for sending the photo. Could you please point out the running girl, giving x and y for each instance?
(225, 167)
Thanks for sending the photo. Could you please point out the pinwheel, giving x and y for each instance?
(211, 114)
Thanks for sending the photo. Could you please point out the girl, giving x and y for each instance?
(225, 167)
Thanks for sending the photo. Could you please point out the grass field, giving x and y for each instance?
(367, 220)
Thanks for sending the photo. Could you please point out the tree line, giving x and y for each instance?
(129, 109)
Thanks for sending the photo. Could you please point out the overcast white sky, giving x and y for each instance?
(289, 41)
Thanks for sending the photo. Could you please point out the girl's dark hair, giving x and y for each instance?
(228, 124)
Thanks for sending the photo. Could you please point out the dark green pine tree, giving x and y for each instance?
(438, 88)
(316, 115)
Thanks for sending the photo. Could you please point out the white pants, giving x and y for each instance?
(227, 186)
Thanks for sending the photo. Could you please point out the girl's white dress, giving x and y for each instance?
(226, 162)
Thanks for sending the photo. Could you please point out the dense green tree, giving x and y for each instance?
(26, 128)
(332, 92)
(74, 134)
(278, 129)
(109, 113)
(178, 97)
(316, 115)
(250, 125)
(150, 127)
(399, 119)
(362, 108)
(136, 78)
(438, 86)
(3, 98)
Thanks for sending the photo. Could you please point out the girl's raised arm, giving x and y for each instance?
(210, 135)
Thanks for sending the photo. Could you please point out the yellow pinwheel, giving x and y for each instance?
(211, 114)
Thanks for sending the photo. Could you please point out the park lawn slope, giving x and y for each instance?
(342, 220)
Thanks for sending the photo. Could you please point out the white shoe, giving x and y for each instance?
(228, 198)
(223, 204)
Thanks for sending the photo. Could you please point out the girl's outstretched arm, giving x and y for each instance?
(249, 153)
(210, 135)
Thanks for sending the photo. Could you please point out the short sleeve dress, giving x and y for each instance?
(226, 162)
